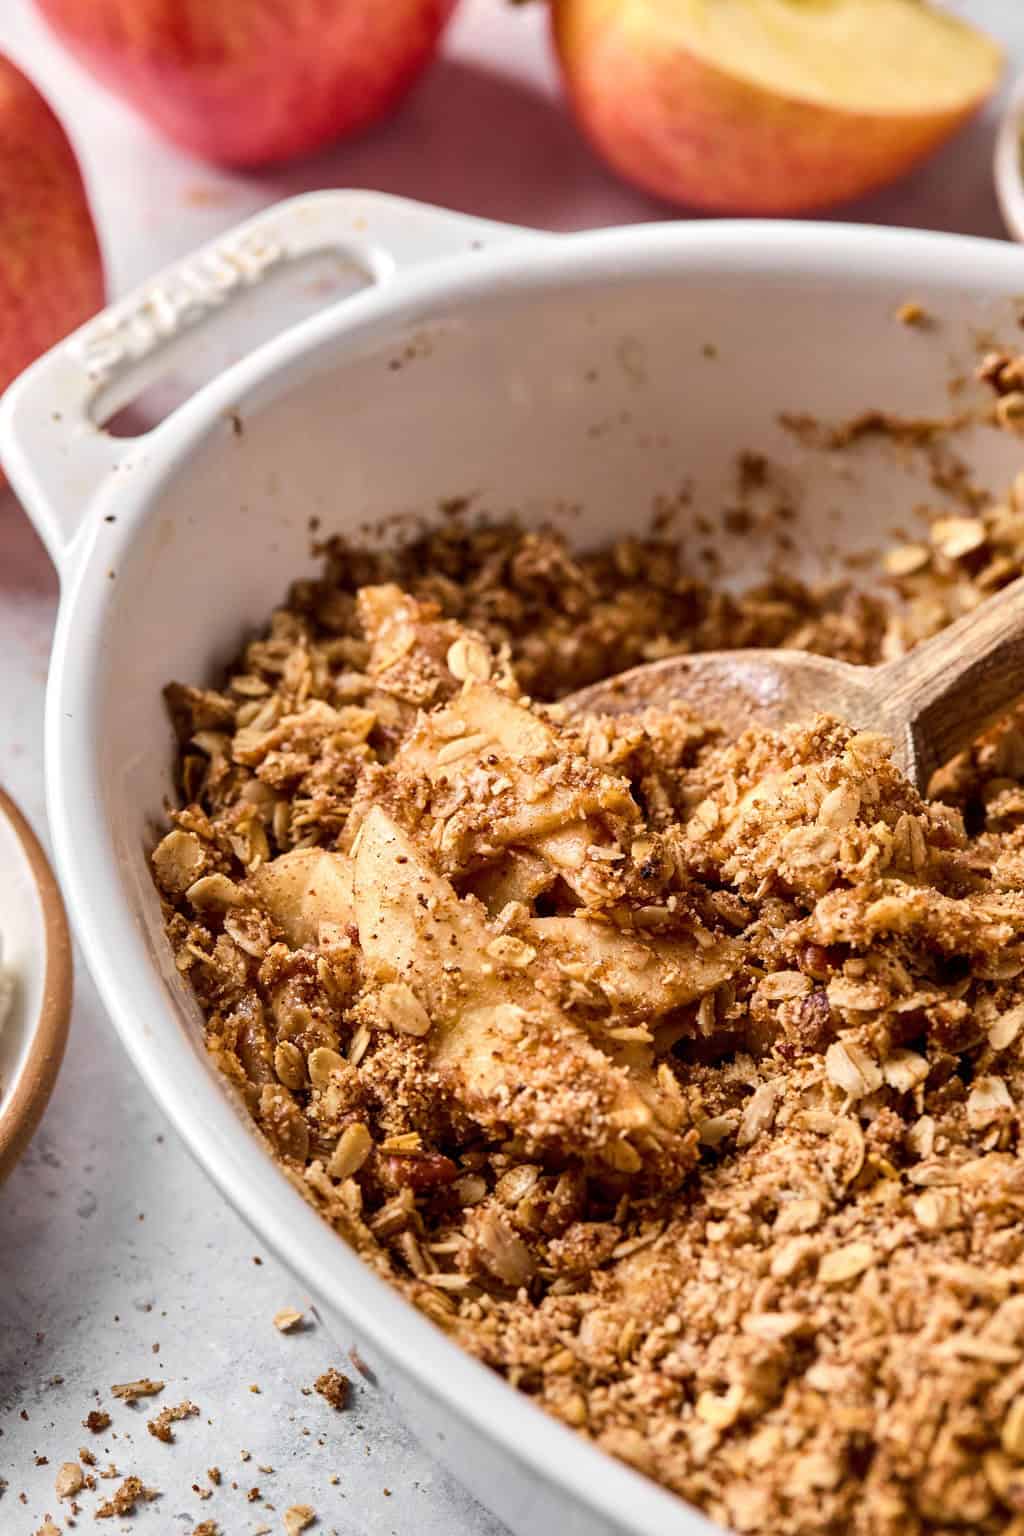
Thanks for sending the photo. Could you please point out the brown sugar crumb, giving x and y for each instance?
(287, 1319)
(160, 1426)
(96, 1421)
(126, 1499)
(131, 1391)
(86, 1456)
(69, 1481)
(334, 1386)
(213, 1473)
(298, 1518)
(48, 1528)
(206, 1528)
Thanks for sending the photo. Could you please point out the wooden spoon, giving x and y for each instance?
(932, 702)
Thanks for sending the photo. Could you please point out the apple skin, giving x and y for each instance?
(680, 127)
(51, 272)
(249, 83)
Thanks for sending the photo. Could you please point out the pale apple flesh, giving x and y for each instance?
(769, 106)
(51, 274)
(253, 82)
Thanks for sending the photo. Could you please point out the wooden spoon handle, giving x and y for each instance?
(952, 686)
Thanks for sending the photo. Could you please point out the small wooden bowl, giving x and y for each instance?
(37, 948)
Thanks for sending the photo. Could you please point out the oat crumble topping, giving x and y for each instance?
(679, 1079)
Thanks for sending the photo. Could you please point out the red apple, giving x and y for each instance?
(51, 275)
(253, 82)
(768, 106)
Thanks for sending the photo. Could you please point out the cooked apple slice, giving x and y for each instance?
(559, 807)
(523, 1063)
(769, 106)
(517, 876)
(416, 655)
(642, 979)
(303, 889)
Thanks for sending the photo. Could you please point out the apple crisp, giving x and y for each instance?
(678, 1078)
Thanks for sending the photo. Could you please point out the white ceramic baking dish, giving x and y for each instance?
(589, 378)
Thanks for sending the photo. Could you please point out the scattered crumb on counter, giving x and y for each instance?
(131, 1391)
(125, 1499)
(70, 1480)
(334, 1386)
(298, 1518)
(287, 1319)
(160, 1427)
(361, 1366)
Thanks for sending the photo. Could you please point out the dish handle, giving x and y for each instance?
(56, 453)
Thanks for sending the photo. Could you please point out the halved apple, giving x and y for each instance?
(769, 106)
(51, 273)
(253, 82)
